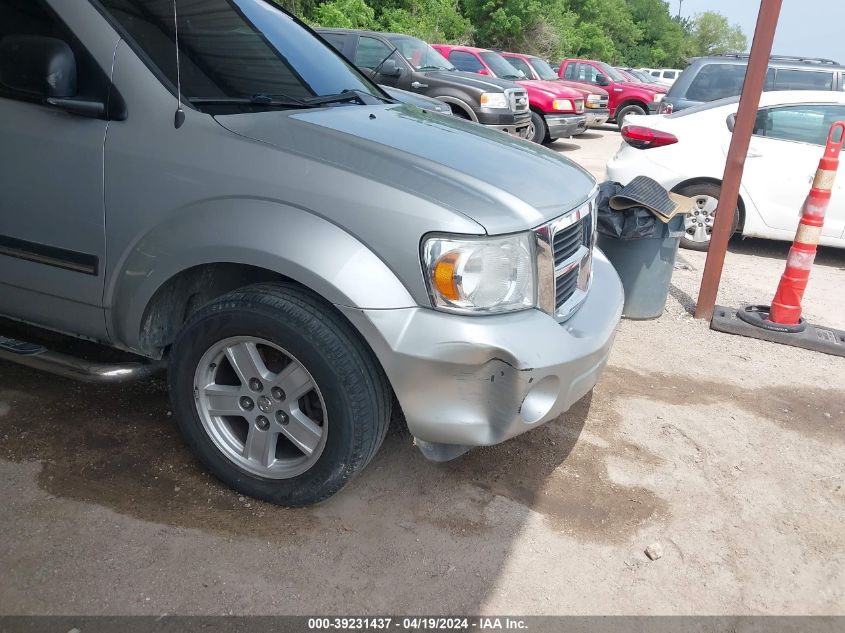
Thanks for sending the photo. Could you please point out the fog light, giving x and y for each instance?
(540, 400)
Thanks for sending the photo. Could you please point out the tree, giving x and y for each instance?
(345, 14)
(430, 20)
(712, 34)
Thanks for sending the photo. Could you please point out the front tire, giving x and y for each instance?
(537, 130)
(698, 226)
(627, 111)
(277, 394)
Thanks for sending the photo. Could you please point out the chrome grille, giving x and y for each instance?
(568, 241)
(518, 99)
(565, 259)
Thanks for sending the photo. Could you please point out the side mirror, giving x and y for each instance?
(390, 69)
(483, 71)
(731, 122)
(602, 80)
(38, 66)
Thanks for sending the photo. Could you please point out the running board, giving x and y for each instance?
(39, 357)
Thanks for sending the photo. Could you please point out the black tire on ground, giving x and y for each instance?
(624, 112)
(355, 391)
(541, 132)
(703, 189)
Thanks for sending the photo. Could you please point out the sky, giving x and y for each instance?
(809, 28)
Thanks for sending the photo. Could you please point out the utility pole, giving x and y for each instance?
(680, 7)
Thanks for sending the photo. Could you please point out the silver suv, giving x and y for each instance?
(303, 254)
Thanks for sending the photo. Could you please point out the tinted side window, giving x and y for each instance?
(465, 61)
(32, 17)
(370, 52)
(800, 123)
(521, 64)
(716, 81)
(571, 71)
(335, 39)
(669, 74)
(792, 79)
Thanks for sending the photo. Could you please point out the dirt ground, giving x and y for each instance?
(728, 453)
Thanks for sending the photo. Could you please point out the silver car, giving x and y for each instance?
(306, 257)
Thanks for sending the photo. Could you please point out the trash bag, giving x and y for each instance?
(629, 224)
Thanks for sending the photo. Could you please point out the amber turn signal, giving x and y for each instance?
(444, 275)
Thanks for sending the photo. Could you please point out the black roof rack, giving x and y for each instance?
(784, 58)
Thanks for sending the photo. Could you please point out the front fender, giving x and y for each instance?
(263, 233)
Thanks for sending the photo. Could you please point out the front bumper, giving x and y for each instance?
(475, 381)
(597, 117)
(505, 121)
(565, 125)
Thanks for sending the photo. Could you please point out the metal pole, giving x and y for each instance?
(749, 101)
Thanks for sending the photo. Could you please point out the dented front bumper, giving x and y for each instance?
(465, 381)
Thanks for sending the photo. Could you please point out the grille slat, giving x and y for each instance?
(567, 242)
(565, 286)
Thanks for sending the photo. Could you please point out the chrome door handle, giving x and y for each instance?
(417, 84)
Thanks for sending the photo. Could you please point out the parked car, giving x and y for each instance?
(299, 251)
(422, 102)
(685, 152)
(408, 63)
(626, 97)
(556, 111)
(721, 76)
(663, 76)
(637, 76)
(536, 69)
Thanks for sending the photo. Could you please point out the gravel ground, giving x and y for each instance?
(724, 453)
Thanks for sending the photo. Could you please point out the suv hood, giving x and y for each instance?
(503, 183)
(474, 80)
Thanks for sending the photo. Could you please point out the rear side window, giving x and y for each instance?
(335, 39)
(716, 81)
(669, 74)
(465, 61)
(371, 52)
(804, 123)
(792, 79)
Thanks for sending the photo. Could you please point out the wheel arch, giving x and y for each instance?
(455, 102)
(206, 251)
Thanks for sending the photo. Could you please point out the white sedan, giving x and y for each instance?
(686, 152)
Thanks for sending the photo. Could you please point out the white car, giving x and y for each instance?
(686, 152)
(663, 76)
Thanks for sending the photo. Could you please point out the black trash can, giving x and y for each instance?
(645, 265)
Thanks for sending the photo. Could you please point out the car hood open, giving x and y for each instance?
(503, 183)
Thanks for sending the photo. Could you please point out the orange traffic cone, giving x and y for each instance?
(786, 306)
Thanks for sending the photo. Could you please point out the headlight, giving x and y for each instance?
(659, 97)
(562, 104)
(494, 100)
(593, 101)
(480, 275)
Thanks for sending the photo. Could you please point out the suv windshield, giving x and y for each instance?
(237, 50)
(542, 68)
(500, 66)
(420, 55)
(611, 72)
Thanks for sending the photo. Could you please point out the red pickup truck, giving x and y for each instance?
(595, 98)
(625, 97)
(556, 111)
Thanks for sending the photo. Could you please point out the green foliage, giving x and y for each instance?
(712, 34)
(624, 32)
(345, 14)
